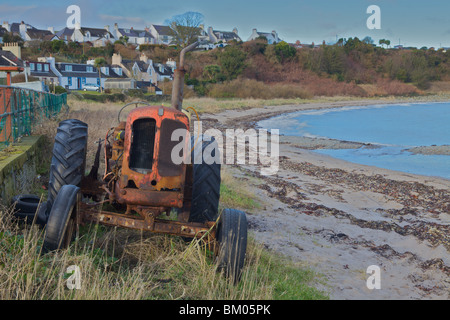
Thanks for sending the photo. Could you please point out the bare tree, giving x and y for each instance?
(185, 28)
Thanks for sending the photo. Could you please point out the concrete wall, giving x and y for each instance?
(18, 166)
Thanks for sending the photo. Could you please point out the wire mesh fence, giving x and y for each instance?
(21, 109)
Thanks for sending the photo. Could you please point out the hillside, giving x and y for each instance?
(255, 69)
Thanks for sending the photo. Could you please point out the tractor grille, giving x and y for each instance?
(143, 145)
(166, 167)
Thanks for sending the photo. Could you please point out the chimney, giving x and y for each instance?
(77, 26)
(51, 60)
(23, 30)
(14, 48)
(143, 57)
(116, 26)
(51, 29)
(107, 28)
(6, 26)
(117, 59)
(235, 30)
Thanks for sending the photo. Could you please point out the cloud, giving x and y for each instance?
(123, 19)
(6, 8)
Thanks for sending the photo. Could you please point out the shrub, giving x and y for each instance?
(232, 60)
(60, 90)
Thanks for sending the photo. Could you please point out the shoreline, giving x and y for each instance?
(339, 217)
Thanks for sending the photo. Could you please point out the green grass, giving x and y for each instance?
(231, 198)
(90, 92)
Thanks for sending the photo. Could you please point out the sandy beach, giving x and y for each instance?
(339, 218)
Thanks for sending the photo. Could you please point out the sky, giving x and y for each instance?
(407, 22)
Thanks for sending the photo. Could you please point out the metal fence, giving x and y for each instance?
(22, 109)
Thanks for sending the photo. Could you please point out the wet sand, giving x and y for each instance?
(339, 218)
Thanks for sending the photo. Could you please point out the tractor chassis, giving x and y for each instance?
(147, 221)
(141, 217)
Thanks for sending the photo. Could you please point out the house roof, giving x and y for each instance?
(65, 32)
(15, 27)
(163, 30)
(226, 35)
(113, 74)
(8, 59)
(164, 71)
(36, 34)
(35, 73)
(135, 33)
(142, 84)
(79, 71)
(143, 67)
(95, 32)
(50, 37)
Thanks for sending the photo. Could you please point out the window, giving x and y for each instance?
(118, 71)
(105, 70)
(89, 69)
(68, 67)
(39, 67)
(46, 67)
(32, 66)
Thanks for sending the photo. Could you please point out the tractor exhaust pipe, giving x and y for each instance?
(178, 82)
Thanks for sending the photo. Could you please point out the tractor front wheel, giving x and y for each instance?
(62, 219)
(232, 240)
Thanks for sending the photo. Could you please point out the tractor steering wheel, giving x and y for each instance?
(129, 104)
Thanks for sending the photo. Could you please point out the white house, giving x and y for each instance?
(161, 34)
(74, 76)
(99, 37)
(216, 36)
(271, 37)
(134, 36)
(145, 69)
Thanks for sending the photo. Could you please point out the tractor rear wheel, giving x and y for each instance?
(62, 220)
(69, 157)
(232, 239)
(206, 185)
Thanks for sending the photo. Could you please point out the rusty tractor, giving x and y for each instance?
(141, 185)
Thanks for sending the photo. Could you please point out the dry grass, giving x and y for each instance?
(129, 265)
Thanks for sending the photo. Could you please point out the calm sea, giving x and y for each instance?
(393, 127)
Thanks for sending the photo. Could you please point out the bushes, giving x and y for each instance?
(60, 90)
(114, 97)
(233, 61)
(246, 88)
